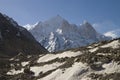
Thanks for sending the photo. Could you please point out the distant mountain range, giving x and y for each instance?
(58, 34)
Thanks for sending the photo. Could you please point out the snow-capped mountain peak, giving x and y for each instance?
(87, 30)
(64, 35)
(57, 18)
(85, 22)
(55, 21)
(87, 25)
(29, 26)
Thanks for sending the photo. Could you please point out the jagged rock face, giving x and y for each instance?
(58, 34)
(15, 39)
(98, 61)
(88, 31)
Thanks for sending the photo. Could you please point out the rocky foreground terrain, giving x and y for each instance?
(15, 40)
(98, 61)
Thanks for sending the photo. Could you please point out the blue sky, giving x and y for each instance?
(103, 14)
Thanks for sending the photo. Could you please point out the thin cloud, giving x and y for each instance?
(106, 26)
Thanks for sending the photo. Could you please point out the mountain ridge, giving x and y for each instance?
(15, 39)
(64, 35)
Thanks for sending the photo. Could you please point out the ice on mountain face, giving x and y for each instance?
(58, 34)
(59, 31)
(30, 27)
(52, 41)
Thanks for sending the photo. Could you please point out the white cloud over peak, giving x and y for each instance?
(113, 34)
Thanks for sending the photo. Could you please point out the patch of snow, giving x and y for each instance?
(103, 54)
(94, 49)
(59, 31)
(113, 44)
(14, 59)
(110, 68)
(45, 68)
(49, 57)
(30, 27)
(96, 44)
(12, 65)
(13, 71)
(28, 56)
(90, 47)
(17, 59)
(76, 72)
(24, 63)
(86, 78)
(53, 76)
(11, 59)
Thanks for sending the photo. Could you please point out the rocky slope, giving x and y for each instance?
(58, 34)
(98, 61)
(15, 39)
